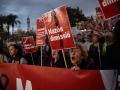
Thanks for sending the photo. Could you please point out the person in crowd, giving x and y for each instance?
(108, 41)
(47, 52)
(29, 58)
(79, 59)
(4, 82)
(45, 58)
(38, 55)
(16, 55)
(101, 38)
(67, 57)
(3, 57)
(88, 43)
(57, 59)
(112, 55)
(32, 58)
(79, 39)
(47, 48)
(95, 51)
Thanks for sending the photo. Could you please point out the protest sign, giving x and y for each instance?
(40, 33)
(110, 8)
(28, 44)
(58, 28)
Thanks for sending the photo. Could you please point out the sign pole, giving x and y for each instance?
(32, 59)
(64, 58)
(41, 55)
(70, 54)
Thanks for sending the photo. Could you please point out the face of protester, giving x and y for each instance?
(76, 56)
(55, 54)
(12, 50)
(94, 39)
(78, 36)
(3, 81)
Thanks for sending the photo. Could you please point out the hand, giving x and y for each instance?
(75, 68)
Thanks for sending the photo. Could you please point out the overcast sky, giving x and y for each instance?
(35, 8)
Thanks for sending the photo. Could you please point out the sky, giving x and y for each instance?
(35, 8)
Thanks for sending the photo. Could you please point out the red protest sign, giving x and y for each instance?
(110, 8)
(40, 33)
(28, 44)
(27, 77)
(58, 28)
(40, 41)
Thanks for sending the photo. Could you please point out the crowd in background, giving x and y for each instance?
(98, 51)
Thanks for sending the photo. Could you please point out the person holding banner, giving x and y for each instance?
(57, 59)
(79, 59)
(16, 55)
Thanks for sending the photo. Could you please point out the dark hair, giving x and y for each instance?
(14, 45)
(117, 26)
(19, 50)
(60, 61)
(6, 84)
(78, 34)
(1, 47)
(1, 50)
(116, 32)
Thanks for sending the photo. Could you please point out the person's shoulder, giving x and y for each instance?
(110, 46)
(114, 46)
(92, 45)
(23, 60)
(85, 64)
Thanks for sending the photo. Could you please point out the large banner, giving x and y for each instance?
(26, 77)
(110, 8)
(28, 44)
(40, 33)
(58, 28)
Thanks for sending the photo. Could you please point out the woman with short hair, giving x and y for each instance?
(79, 59)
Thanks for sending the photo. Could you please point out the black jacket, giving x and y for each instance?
(112, 57)
(94, 54)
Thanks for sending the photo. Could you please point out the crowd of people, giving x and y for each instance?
(99, 51)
